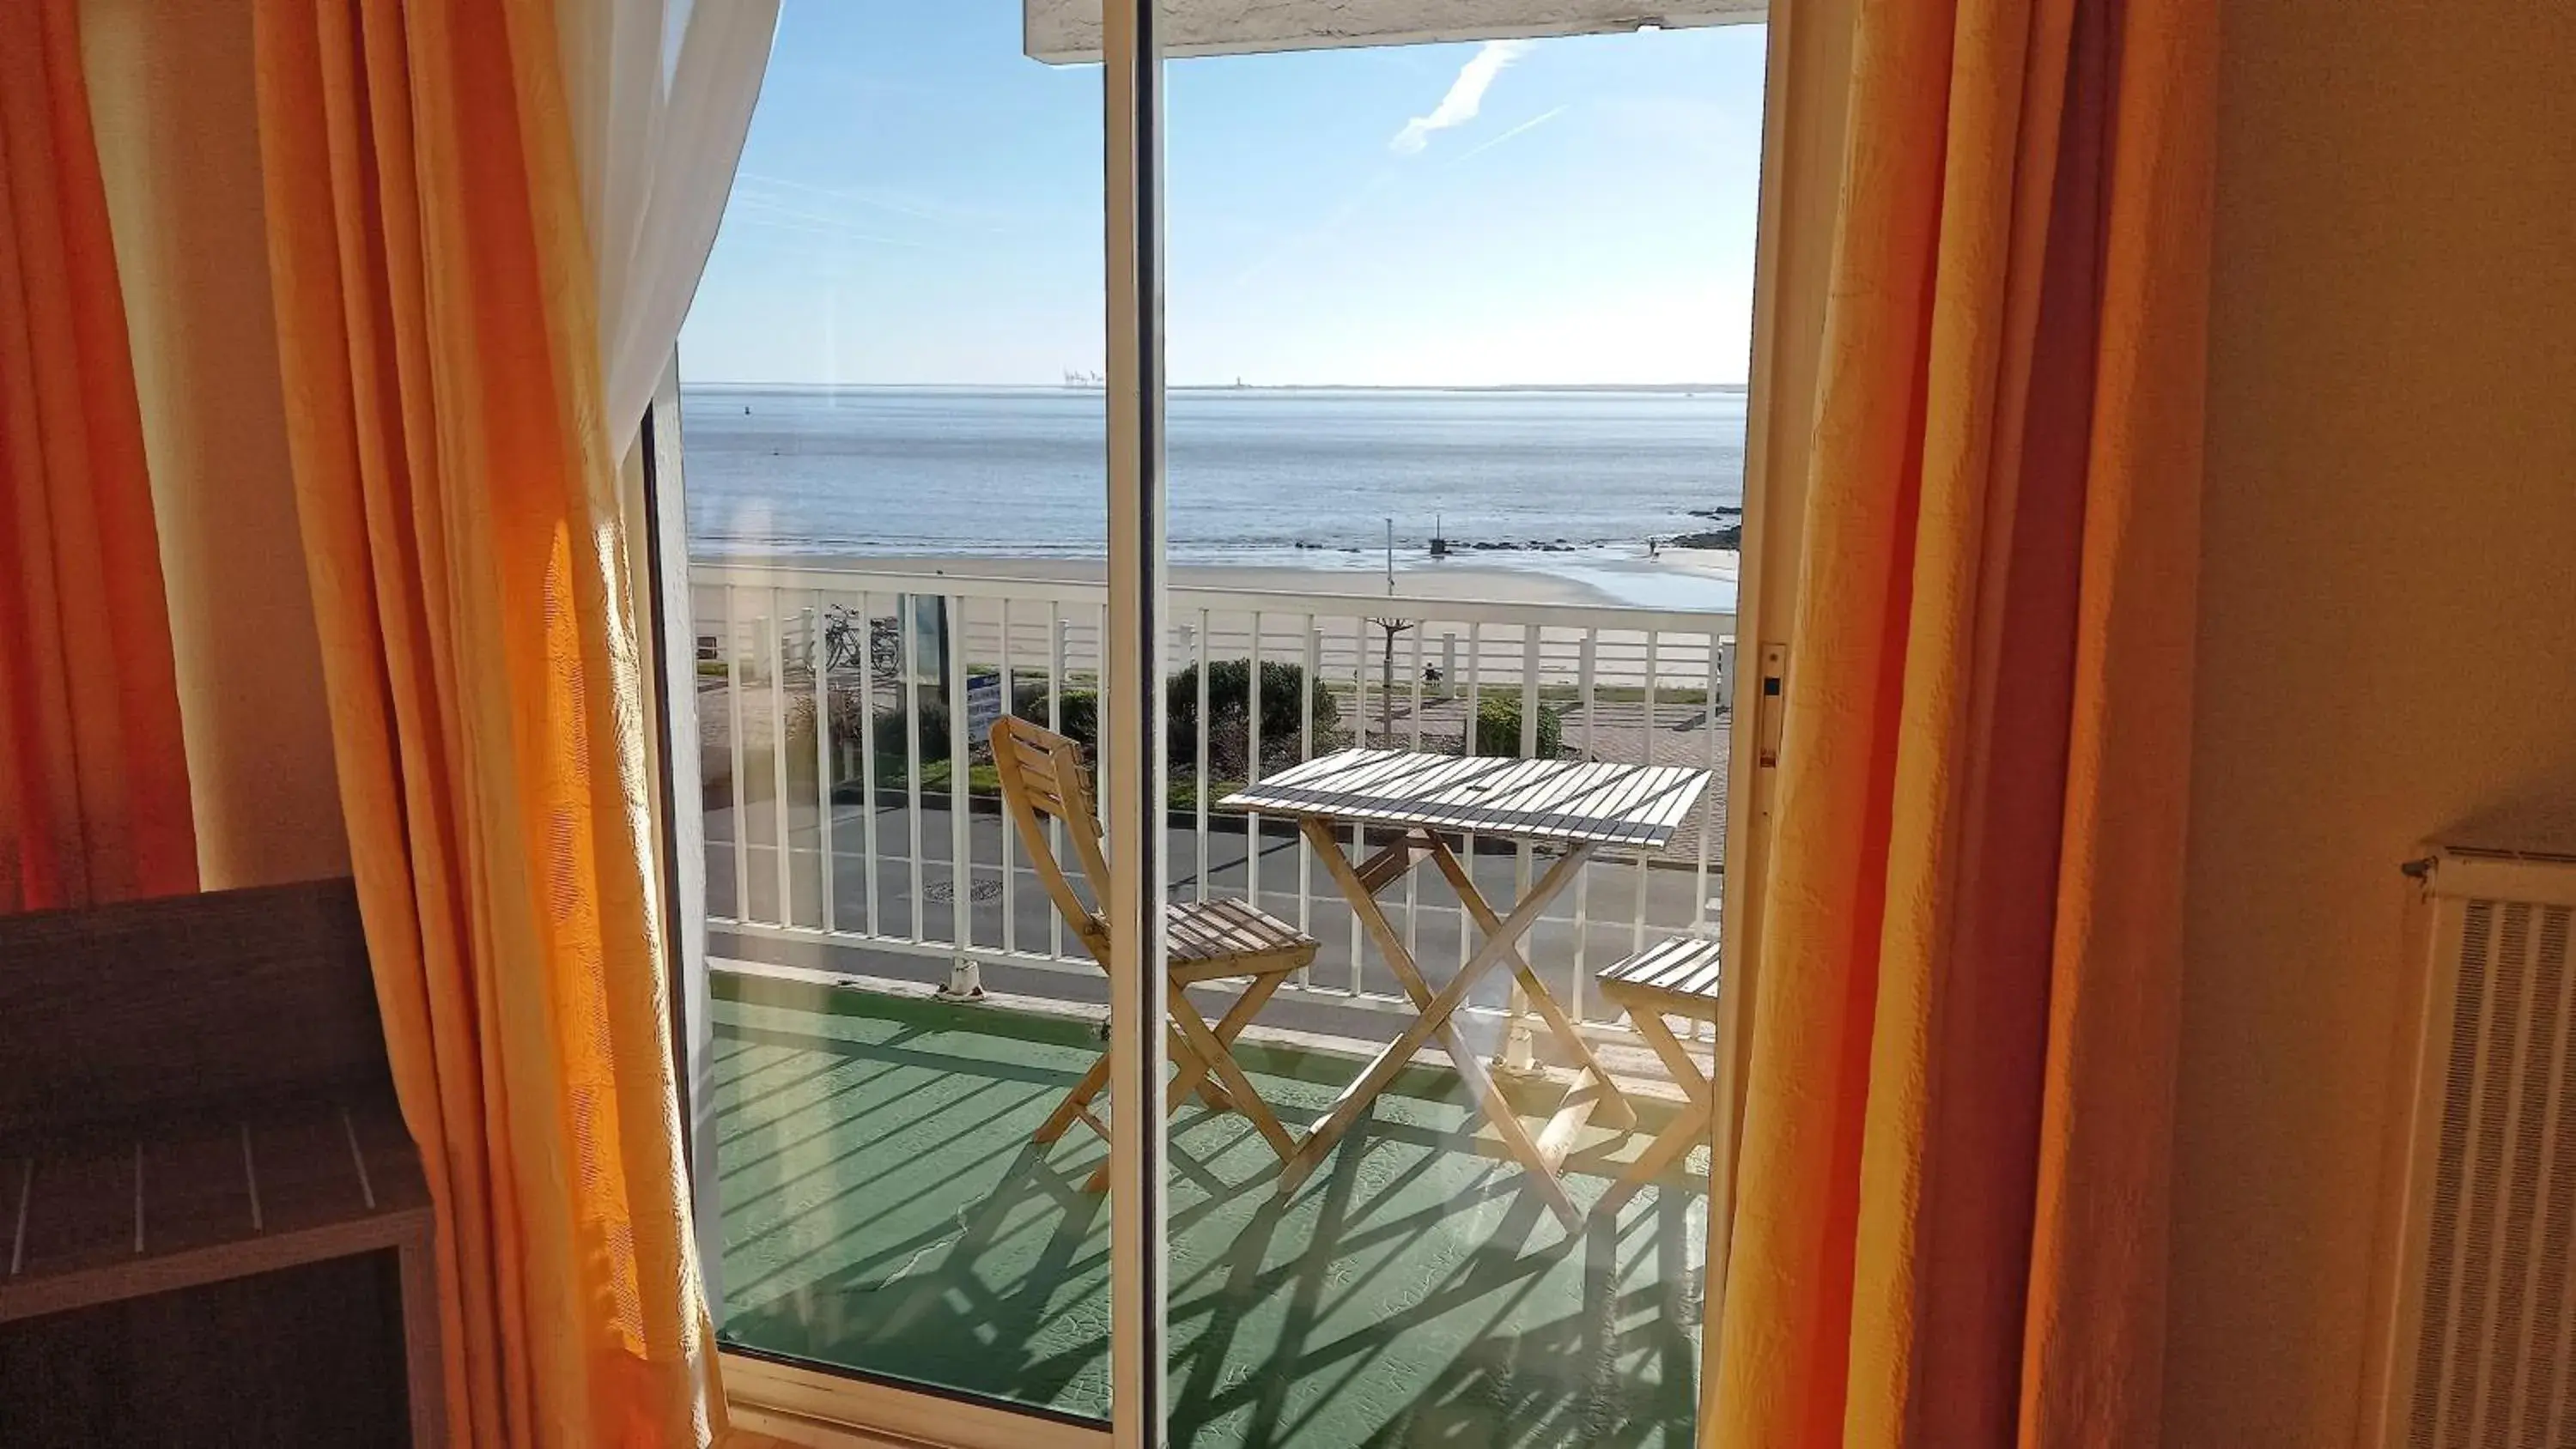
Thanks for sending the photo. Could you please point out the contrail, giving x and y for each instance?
(1466, 95)
(1531, 124)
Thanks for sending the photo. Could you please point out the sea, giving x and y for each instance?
(1558, 481)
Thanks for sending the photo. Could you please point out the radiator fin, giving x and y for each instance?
(2545, 1369)
(2441, 1250)
(2490, 1368)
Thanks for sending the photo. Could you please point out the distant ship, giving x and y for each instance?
(1075, 378)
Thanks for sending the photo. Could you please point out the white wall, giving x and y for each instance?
(170, 90)
(2388, 626)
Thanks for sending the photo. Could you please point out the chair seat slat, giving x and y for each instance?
(1682, 967)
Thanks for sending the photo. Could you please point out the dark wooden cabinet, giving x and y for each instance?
(213, 1226)
(300, 1356)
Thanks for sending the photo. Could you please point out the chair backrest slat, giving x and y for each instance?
(1042, 778)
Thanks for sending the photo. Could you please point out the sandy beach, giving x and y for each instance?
(1676, 578)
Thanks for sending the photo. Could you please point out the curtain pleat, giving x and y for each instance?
(94, 800)
(1951, 1221)
(440, 355)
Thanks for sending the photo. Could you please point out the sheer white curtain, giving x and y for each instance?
(661, 94)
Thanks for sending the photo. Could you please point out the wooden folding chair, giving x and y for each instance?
(1680, 978)
(1042, 778)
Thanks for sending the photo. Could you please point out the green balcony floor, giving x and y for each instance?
(885, 1210)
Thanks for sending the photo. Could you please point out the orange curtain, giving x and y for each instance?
(93, 773)
(434, 305)
(1960, 1073)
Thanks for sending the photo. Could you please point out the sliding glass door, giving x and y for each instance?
(1203, 665)
(885, 467)
(1455, 409)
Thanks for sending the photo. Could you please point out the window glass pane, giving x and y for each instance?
(890, 386)
(1459, 338)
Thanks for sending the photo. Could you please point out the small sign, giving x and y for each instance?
(983, 706)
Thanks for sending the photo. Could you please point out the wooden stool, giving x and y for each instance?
(1675, 978)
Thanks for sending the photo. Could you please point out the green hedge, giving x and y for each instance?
(1077, 712)
(1498, 728)
(1078, 717)
(1229, 723)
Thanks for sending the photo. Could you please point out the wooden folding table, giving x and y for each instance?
(1575, 805)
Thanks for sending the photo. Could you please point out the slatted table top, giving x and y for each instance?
(1562, 800)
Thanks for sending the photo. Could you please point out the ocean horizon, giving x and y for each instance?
(1554, 479)
(1255, 475)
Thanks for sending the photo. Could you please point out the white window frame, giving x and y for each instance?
(1069, 31)
(1806, 87)
(1806, 90)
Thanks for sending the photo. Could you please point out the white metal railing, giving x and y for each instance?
(846, 661)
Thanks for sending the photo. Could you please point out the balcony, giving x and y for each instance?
(884, 1207)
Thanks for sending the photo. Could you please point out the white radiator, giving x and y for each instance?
(2474, 1337)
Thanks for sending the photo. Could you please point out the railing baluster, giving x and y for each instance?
(1646, 740)
(1199, 785)
(1585, 678)
(1306, 751)
(1711, 822)
(1516, 1053)
(1469, 745)
(868, 755)
(737, 683)
(1010, 701)
(1529, 737)
(822, 656)
(1056, 625)
(961, 770)
(1252, 764)
(908, 607)
(778, 811)
(1412, 879)
(1359, 833)
(1712, 819)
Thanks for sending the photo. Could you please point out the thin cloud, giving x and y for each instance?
(1532, 124)
(749, 180)
(1466, 95)
(1321, 232)
(754, 210)
(786, 192)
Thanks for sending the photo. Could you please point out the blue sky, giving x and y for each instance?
(919, 202)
